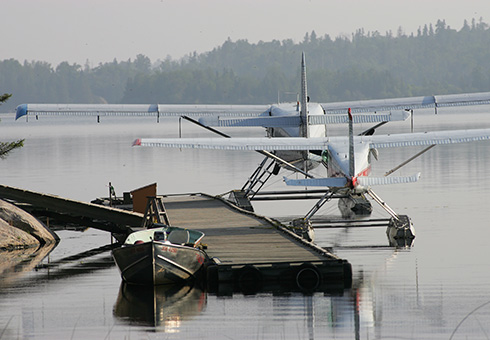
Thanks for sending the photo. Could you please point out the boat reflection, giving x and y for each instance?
(166, 307)
(163, 306)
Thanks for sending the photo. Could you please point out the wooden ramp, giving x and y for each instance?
(67, 211)
(249, 252)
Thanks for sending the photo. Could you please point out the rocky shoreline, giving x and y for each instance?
(20, 230)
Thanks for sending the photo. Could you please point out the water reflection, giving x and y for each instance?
(279, 287)
(40, 267)
(163, 307)
(16, 263)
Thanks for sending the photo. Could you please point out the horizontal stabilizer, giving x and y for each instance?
(284, 121)
(330, 182)
(359, 118)
(370, 181)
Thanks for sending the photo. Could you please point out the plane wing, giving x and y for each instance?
(214, 115)
(295, 120)
(426, 138)
(298, 143)
(139, 110)
(241, 144)
(249, 110)
(377, 105)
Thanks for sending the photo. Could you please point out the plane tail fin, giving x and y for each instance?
(304, 100)
(352, 168)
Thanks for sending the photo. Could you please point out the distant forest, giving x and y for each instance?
(366, 65)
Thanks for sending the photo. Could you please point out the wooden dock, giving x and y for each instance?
(247, 253)
(251, 253)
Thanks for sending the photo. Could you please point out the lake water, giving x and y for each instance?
(437, 289)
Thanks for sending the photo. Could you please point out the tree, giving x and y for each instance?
(6, 147)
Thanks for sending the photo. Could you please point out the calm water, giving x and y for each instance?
(438, 289)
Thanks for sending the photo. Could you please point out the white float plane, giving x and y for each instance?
(348, 163)
(297, 138)
(301, 119)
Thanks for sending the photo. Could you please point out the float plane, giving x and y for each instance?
(297, 138)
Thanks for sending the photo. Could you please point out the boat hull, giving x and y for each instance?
(158, 263)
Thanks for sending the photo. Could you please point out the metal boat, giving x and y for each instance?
(160, 255)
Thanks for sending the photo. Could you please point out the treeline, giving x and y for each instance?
(434, 60)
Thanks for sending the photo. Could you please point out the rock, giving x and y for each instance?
(18, 229)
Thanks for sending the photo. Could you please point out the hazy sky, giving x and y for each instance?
(101, 30)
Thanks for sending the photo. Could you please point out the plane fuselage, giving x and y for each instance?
(336, 159)
(304, 160)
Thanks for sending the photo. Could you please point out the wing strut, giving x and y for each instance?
(262, 152)
(409, 160)
(382, 203)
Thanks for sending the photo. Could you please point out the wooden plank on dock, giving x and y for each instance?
(238, 237)
(241, 241)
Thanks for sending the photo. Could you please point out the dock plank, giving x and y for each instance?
(256, 253)
(235, 237)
